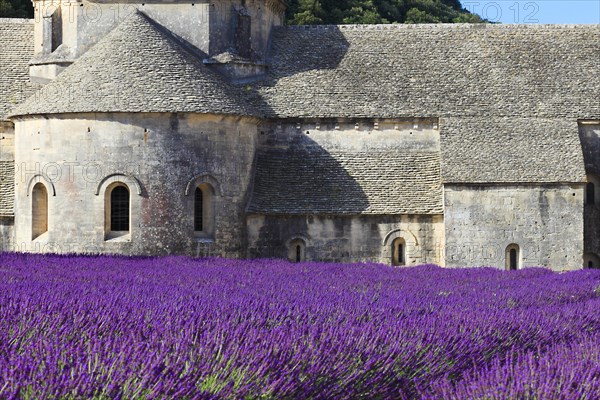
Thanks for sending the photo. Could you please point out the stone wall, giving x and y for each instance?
(7, 141)
(545, 221)
(350, 230)
(6, 233)
(353, 134)
(589, 134)
(159, 157)
(348, 238)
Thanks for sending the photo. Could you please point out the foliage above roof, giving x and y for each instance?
(16, 9)
(311, 12)
(302, 12)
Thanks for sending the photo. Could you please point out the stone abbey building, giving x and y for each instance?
(210, 128)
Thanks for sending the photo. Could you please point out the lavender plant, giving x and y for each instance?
(174, 327)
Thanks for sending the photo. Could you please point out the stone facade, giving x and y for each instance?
(211, 129)
(589, 132)
(481, 221)
(364, 238)
(157, 156)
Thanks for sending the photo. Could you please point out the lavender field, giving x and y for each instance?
(104, 328)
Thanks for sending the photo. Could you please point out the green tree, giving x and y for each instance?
(16, 9)
(377, 12)
(313, 12)
(416, 16)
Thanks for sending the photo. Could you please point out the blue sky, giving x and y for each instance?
(537, 11)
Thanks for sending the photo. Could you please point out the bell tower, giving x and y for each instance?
(231, 36)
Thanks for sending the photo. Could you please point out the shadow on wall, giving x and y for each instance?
(297, 176)
(295, 183)
(298, 49)
(305, 179)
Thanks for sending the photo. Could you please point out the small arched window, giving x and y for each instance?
(513, 257)
(198, 209)
(591, 260)
(399, 252)
(39, 210)
(297, 250)
(590, 193)
(204, 225)
(118, 208)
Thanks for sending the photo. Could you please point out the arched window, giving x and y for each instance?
(204, 220)
(590, 193)
(117, 208)
(513, 257)
(39, 210)
(198, 208)
(591, 260)
(399, 252)
(593, 183)
(297, 250)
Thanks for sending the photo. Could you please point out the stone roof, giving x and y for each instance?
(16, 48)
(7, 188)
(138, 67)
(336, 182)
(508, 96)
(434, 70)
(507, 149)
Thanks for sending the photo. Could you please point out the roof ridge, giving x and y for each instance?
(399, 26)
(16, 21)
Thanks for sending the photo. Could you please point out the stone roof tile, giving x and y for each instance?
(506, 149)
(138, 67)
(434, 70)
(16, 48)
(7, 188)
(343, 182)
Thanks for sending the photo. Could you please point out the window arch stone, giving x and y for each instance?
(513, 257)
(39, 210)
(127, 179)
(203, 178)
(591, 189)
(204, 211)
(408, 239)
(591, 260)
(398, 251)
(117, 211)
(44, 179)
(204, 192)
(296, 249)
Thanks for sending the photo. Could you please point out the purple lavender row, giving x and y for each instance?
(174, 327)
